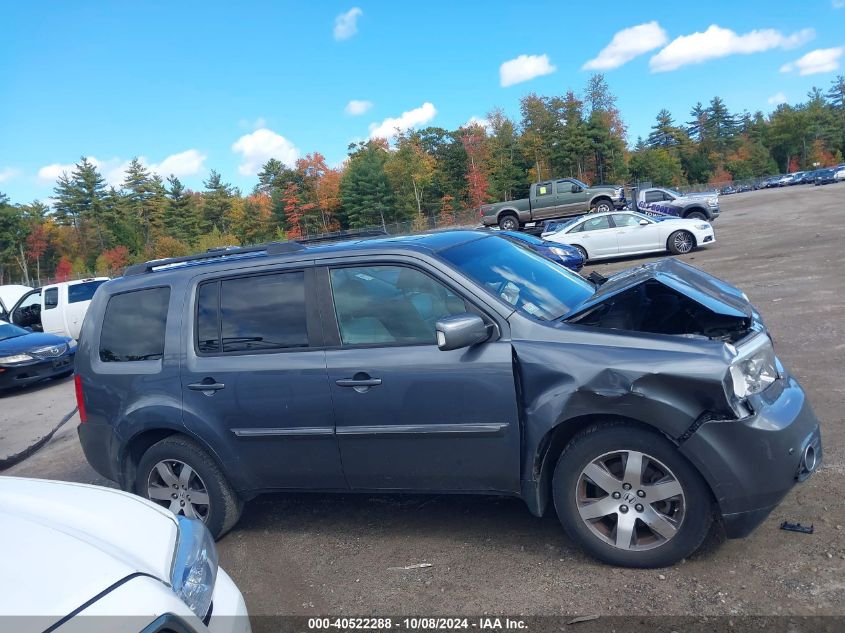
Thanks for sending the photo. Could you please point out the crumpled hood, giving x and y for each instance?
(64, 543)
(713, 293)
(28, 342)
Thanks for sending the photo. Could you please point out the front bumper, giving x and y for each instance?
(228, 612)
(752, 463)
(28, 373)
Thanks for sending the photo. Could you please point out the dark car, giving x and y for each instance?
(27, 357)
(825, 177)
(726, 191)
(562, 254)
(643, 407)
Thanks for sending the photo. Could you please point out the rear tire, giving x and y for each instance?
(653, 533)
(680, 243)
(509, 222)
(168, 458)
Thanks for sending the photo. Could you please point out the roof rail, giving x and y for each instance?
(339, 236)
(272, 248)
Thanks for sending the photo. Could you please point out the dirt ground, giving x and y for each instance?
(344, 554)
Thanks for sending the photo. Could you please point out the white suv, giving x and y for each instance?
(71, 551)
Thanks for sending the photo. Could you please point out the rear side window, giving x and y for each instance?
(134, 326)
(84, 291)
(51, 298)
(249, 314)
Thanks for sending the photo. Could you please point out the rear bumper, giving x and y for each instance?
(751, 464)
(98, 445)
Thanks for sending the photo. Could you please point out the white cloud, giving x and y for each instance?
(346, 24)
(523, 68)
(259, 147)
(777, 99)
(8, 173)
(187, 163)
(357, 107)
(405, 121)
(481, 121)
(717, 42)
(838, 4)
(113, 170)
(628, 44)
(821, 60)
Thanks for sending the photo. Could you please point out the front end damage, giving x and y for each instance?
(713, 385)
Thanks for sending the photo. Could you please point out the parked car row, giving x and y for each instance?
(818, 176)
(641, 406)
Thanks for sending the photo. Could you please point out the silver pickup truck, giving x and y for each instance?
(553, 199)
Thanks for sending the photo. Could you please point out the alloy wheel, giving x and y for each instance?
(683, 242)
(630, 500)
(176, 486)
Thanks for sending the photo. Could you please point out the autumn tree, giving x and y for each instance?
(477, 182)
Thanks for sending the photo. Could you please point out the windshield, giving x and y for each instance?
(556, 226)
(672, 192)
(7, 331)
(581, 183)
(530, 283)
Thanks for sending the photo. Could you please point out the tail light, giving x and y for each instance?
(80, 398)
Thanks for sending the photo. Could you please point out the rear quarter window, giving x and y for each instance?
(134, 324)
(84, 291)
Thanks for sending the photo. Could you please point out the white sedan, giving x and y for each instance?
(70, 552)
(619, 233)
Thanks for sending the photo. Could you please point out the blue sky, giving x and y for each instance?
(191, 86)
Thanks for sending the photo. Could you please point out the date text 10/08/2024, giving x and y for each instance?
(417, 623)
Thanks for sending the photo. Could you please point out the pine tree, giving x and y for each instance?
(217, 202)
(179, 219)
(365, 190)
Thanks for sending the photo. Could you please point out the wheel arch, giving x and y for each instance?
(538, 493)
(599, 197)
(507, 211)
(695, 209)
(135, 447)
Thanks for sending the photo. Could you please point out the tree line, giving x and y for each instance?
(429, 176)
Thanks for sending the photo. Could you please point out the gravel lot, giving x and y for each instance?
(338, 554)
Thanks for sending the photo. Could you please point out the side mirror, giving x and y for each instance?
(461, 330)
(644, 222)
(575, 189)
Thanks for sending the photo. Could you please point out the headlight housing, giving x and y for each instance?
(713, 202)
(194, 569)
(16, 358)
(561, 252)
(754, 368)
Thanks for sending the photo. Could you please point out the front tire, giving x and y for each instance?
(509, 222)
(680, 242)
(583, 252)
(629, 498)
(178, 474)
(603, 206)
(696, 215)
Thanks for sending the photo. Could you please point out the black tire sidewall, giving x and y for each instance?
(504, 220)
(188, 452)
(583, 252)
(603, 203)
(587, 447)
(670, 243)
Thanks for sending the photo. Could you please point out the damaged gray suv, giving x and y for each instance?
(644, 407)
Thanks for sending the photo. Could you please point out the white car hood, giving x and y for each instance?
(63, 543)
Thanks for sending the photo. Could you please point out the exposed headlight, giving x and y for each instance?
(71, 344)
(194, 566)
(17, 358)
(754, 368)
(561, 252)
(702, 227)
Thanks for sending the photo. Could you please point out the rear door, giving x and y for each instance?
(408, 415)
(597, 235)
(255, 377)
(543, 203)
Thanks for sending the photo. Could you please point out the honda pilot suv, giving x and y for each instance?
(643, 407)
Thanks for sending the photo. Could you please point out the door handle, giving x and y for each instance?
(365, 382)
(206, 386)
